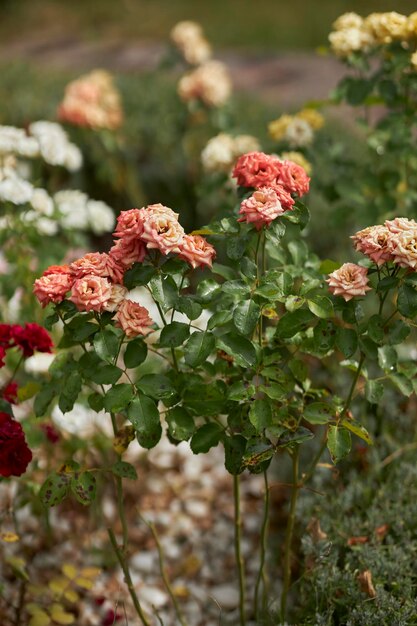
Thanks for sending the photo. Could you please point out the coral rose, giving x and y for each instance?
(128, 250)
(98, 264)
(118, 294)
(133, 319)
(14, 452)
(261, 208)
(404, 248)
(197, 251)
(349, 281)
(129, 223)
(293, 178)
(52, 287)
(91, 293)
(161, 230)
(256, 169)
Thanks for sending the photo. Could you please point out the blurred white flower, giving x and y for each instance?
(42, 202)
(15, 190)
(101, 217)
(72, 205)
(81, 421)
(73, 158)
(38, 363)
(55, 147)
(299, 133)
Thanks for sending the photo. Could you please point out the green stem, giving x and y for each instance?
(353, 386)
(128, 579)
(161, 313)
(238, 549)
(289, 533)
(165, 578)
(264, 540)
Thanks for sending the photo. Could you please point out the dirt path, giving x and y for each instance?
(287, 78)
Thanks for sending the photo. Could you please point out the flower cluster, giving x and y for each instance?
(95, 281)
(395, 242)
(15, 454)
(221, 151)
(352, 33)
(209, 83)
(92, 101)
(297, 130)
(188, 38)
(54, 145)
(77, 211)
(29, 338)
(275, 182)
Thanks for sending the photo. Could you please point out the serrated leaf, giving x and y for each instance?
(144, 415)
(339, 442)
(124, 470)
(260, 414)
(402, 383)
(321, 306)
(106, 375)
(156, 386)
(70, 391)
(245, 316)
(375, 328)
(398, 332)
(106, 344)
(206, 437)
(240, 348)
(198, 348)
(43, 399)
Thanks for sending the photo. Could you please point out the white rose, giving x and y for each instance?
(15, 190)
(101, 217)
(73, 158)
(42, 202)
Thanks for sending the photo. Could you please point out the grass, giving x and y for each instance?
(264, 25)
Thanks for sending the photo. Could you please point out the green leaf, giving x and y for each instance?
(245, 316)
(106, 375)
(398, 332)
(319, 413)
(328, 266)
(299, 251)
(144, 415)
(387, 358)
(189, 307)
(275, 391)
(206, 437)
(70, 391)
(375, 328)
(84, 487)
(241, 349)
(96, 402)
(290, 437)
(235, 247)
(174, 335)
(407, 300)
(138, 275)
(207, 289)
(339, 442)
(118, 398)
(219, 319)
(248, 268)
(374, 390)
(180, 424)
(387, 283)
(298, 215)
(347, 341)
(292, 323)
(357, 429)
(234, 448)
(240, 390)
(136, 353)
(237, 288)
(260, 414)
(402, 383)
(258, 453)
(357, 90)
(198, 348)
(223, 270)
(124, 470)
(321, 306)
(44, 398)
(156, 386)
(54, 489)
(164, 290)
(106, 344)
(6, 407)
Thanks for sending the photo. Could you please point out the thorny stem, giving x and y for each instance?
(165, 578)
(238, 549)
(128, 579)
(289, 533)
(264, 539)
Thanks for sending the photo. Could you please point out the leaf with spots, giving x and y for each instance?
(54, 489)
(83, 486)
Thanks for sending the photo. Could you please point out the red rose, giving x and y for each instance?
(9, 393)
(50, 432)
(2, 356)
(30, 338)
(5, 335)
(15, 454)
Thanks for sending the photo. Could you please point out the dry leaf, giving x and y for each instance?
(365, 583)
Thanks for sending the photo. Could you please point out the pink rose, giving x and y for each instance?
(404, 248)
(98, 264)
(91, 293)
(133, 319)
(129, 223)
(118, 294)
(293, 178)
(261, 208)
(153, 209)
(52, 288)
(349, 281)
(196, 251)
(128, 250)
(161, 230)
(399, 224)
(375, 242)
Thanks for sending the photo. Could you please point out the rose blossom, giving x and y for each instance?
(91, 293)
(261, 208)
(255, 169)
(161, 230)
(348, 281)
(133, 319)
(128, 250)
(375, 243)
(118, 294)
(14, 452)
(129, 223)
(400, 224)
(293, 178)
(196, 251)
(404, 248)
(52, 287)
(57, 269)
(98, 264)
